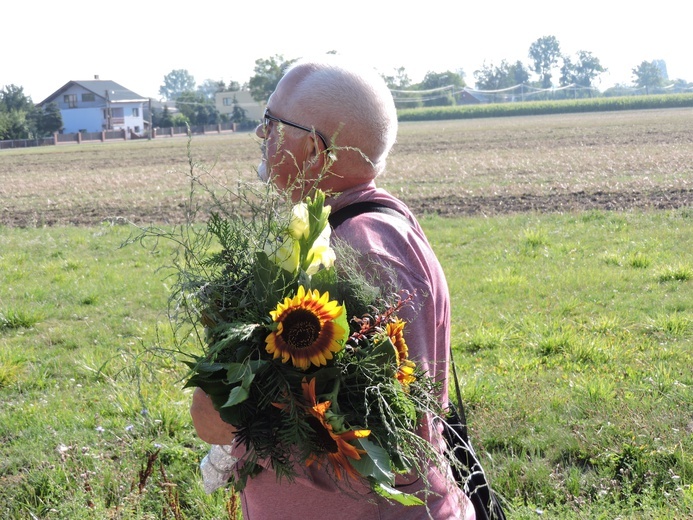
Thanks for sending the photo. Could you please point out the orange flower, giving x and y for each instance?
(335, 445)
(394, 330)
(405, 367)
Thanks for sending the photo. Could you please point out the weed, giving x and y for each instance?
(639, 260)
(17, 318)
(676, 273)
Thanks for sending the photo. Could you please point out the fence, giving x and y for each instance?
(122, 135)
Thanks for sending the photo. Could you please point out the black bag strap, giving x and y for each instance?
(485, 501)
(458, 394)
(357, 208)
(345, 213)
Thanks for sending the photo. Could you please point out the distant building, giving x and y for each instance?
(223, 101)
(96, 105)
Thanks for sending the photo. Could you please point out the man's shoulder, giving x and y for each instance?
(367, 207)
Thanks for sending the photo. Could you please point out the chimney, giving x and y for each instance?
(96, 76)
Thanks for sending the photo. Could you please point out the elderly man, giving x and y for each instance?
(331, 126)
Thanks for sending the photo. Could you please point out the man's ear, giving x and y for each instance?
(314, 156)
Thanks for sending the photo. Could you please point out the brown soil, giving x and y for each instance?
(557, 202)
(635, 160)
(448, 206)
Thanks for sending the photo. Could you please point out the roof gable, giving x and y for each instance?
(104, 89)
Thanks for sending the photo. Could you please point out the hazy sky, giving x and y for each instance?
(136, 43)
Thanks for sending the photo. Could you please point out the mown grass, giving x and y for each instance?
(575, 363)
(574, 334)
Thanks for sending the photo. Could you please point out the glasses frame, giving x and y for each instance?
(267, 117)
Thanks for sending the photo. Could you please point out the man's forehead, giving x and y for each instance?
(285, 91)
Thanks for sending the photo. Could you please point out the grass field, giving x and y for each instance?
(573, 324)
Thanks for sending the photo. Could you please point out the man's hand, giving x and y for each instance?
(208, 423)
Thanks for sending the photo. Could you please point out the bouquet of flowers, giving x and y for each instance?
(300, 353)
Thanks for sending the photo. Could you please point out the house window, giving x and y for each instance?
(228, 101)
(117, 116)
(135, 112)
(70, 100)
(88, 98)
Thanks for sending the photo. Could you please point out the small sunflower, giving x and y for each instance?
(405, 367)
(334, 445)
(306, 332)
(394, 331)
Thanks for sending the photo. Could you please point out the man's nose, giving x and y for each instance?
(260, 131)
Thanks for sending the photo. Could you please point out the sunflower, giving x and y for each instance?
(335, 445)
(405, 367)
(305, 329)
(394, 332)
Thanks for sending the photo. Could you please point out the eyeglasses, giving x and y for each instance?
(267, 117)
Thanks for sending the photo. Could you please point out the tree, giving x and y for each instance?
(13, 125)
(445, 83)
(545, 53)
(13, 98)
(267, 74)
(238, 114)
(46, 120)
(648, 75)
(210, 87)
(197, 109)
(232, 86)
(506, 75)
(175, 83)
(15, 108)
(583, 71)
(399, 81)
(163, 120)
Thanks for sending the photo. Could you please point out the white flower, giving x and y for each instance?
(321, 254)
(299, 227)
(286, 256)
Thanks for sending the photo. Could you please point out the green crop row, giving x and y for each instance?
(528, 108)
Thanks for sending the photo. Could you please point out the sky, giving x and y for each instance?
(137, 43)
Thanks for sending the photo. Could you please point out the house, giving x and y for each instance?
(224, 101)
(97, 105)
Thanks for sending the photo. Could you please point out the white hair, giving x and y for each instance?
(349, 104)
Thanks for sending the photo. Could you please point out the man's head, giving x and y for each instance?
(327, 101)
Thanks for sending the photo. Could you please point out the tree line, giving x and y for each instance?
(21, 119)
(581, 69)
(194, 104)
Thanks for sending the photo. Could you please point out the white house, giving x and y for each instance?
(96, 105)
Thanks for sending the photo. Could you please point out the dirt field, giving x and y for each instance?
(561, 163)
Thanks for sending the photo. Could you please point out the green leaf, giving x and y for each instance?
(384, 354)
(393, 494)
(404, 406)
(237, 395)
(236, 372)
(343, 321)
(248, 379)
(375, 463)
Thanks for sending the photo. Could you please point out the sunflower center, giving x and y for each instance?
(323, 440)
(301, 328)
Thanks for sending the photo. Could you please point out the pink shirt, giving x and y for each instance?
(313, 495)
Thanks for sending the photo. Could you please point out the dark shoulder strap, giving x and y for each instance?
(341, 215)
(357, 208)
